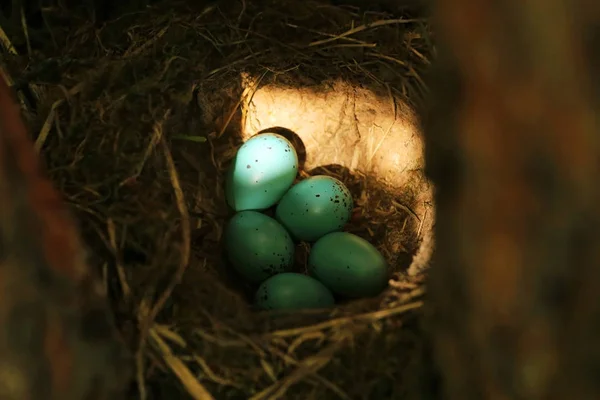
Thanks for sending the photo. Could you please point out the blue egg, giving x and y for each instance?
(257, 246)
(315, 207)
(348, 265)
(264, 168)
(291, 291)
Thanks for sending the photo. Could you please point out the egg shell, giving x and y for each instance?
(348, 265)
(257, 246)
(263, 169)
(315, 207)
(289, 291)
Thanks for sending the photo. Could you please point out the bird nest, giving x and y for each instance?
(138, 120)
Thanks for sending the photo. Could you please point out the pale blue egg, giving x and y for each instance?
(257, 246)
(348, 265)
(314, 207)
(291, 291)
(262, 171)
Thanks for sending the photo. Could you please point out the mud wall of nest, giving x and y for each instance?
(137, 129)
(367, 138)
(366, 133)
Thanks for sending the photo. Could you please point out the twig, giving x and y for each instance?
(183, 373)
(326, 34)
(120, 271)
(134, 51)
(361, 28)
(6, 43)
(422, 223)
(185, 233)
(406, 208)
(306, 367)
(316, 377)
(368, 317)
(157, 135)
(247, 96)
(150, 316)
(25, 31)
(10, 49)
(387, 58)
(248, 93)
(50, 118)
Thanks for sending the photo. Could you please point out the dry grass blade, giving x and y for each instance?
(361, 28)
(323, 381)
(367, 317)
(186, 377)
(407, 209)
(50, 118)
(112, 237)
(6, 43)
(134, 51)
(10, 49)
(185, 232)
(244, 98)
(157, 135)
(185, 256)
(306, 367)
(25, 30)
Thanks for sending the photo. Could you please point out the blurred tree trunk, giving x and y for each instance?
(513, 144)
(58, 339)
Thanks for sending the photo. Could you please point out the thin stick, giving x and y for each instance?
(368, 317)
(306, 367)
(248, 93)
(363, 28)
(183, 373)
(185, 256)
(112, 237)
(50, 118)
(185, 232)
(421, 224)
(6, 43)
(157, 135)
(25, 31)
(134, 51)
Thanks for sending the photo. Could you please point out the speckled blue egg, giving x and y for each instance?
(257, 246)
(262, 171)
(348, 265)
(314, 207)
(291, 291)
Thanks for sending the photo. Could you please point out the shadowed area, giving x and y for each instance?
(49, 346)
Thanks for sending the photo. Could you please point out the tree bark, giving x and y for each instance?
(513, 147)
(57, 337)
